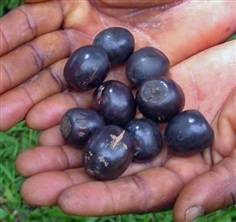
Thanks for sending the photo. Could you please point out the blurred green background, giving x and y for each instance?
(13, 209)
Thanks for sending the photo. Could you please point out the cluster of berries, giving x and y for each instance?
(109, 134)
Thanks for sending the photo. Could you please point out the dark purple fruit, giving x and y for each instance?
(77, 125)
(160, 99)
(147, 139)
(115, 102)
(188, 133)
(146, 63)
(87, 67)
(108, 153)
(118, 43)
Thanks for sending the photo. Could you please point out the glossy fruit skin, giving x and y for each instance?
(160, 99)
(146, 63)
(188, 133)
(115, 102)
(77, 125)
(147, 139)
(87, 68)
(108, 153)
(118, 42)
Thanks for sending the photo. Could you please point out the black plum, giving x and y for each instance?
(147, 139)
(115, 102)
(87, 67)
(118, 43)
(188, 133)
(160, 99)
(77, 125)
(108, 153)
(146, 63)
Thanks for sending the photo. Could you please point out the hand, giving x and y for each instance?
(142, 191)
(207, 182)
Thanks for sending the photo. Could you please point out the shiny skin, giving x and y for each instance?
(118, 42)
(160, 99)
(78, 124)
(188, 133)
(87, 68)
(147, 138)
(108, 153)
(115, 102)
(146, 63)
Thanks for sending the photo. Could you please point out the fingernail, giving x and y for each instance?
(193, 213)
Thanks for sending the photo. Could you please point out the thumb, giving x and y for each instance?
(209, 192)
(215, 189)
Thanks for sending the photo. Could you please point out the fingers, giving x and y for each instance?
(27, 22)
(149, 190)
(18, 101)
(48, 158)
(33, 57)
(129, 194)
(44, 189)
(48, 166)
(224, 126)
(55, 156)
(49, 112)
(209, 192)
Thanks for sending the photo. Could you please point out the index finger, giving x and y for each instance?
(28, 21)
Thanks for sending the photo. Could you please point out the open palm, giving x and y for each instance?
(34, 53)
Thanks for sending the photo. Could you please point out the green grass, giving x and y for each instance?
(8, 5)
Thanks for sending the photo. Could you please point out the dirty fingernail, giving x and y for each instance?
(193, 213)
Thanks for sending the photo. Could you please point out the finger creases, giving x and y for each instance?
(61, 102)
(16, 102)
(209, 192)
(27, 22)
(148, 190)
(78, 194)
(29, 162)
(32, 58)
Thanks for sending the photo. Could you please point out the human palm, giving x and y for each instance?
(34, 89)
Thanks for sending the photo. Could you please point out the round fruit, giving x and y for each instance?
(147, 139)
(146, 63)
(118, 43)
(160, 99)
(77, 125)
(108, 153)
(87, 67)
(188, 133)
(115, 102)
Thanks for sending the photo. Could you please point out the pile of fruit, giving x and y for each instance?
(109, 134)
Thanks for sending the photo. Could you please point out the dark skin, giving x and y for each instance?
(201, 65)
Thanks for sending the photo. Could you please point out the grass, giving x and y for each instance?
(13, 208)
(8, 5)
